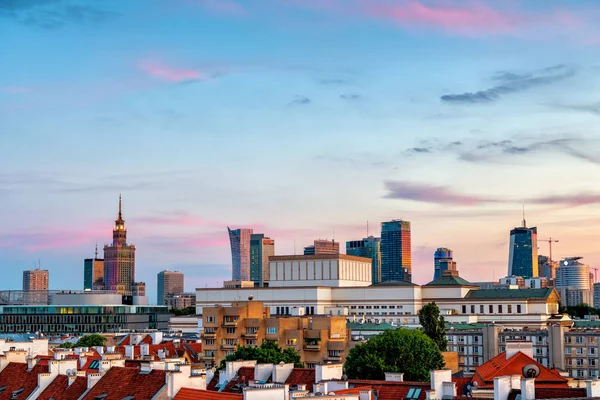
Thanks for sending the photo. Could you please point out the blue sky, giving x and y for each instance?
(298, 118)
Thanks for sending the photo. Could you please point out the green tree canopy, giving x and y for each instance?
(268, 352)
(91, 341)
(183, 311)
(402, 350)
(434, 325)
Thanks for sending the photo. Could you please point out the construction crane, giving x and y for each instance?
(550, 241)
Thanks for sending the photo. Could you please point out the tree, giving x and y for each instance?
(434, 325)
(183, 311)
(91, 341)
(402, 350)
(268, 352)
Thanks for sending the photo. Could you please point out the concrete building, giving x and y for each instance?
(442, 261)
(35, 279)
(93, 272)
(119, 259)
(396, 252)
(180, 301)
(239, 239)
(321, 247)
(523, 252)
(317, 338)
(597, 295)
(169, 283)
(261, 249)
(573, 282)
(369, 247)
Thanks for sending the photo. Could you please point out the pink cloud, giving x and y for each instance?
(15, 89)
(49, 239)
(225, 7)
(168, 73)
(181, 219)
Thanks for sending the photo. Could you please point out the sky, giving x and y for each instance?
(302, 119)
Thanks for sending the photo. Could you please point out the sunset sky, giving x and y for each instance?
(303, 119)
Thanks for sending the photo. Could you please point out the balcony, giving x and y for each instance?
(209, 335)
(250, 335)
(208, 358)
(230, 323)
(228, 346)
(312, 347)
(332, 358)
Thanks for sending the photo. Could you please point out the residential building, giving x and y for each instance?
(261, 248)
(442, 261)
(396, 256)
(180, 301)
(119, 259)
(523, 256)
(573, 282)
(322, 247)
(168, 283)
(35, 279)
(239, 239)
(93, 272)
(138, 289)
(369, 247)
(317, 338)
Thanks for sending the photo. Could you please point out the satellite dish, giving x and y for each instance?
(250, 298)
(531, 371)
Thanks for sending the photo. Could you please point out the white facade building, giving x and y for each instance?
(335, 270)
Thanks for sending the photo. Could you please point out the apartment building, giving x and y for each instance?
(317, 338)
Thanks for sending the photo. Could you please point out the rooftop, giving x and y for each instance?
(301, 257)
(510, 294)
(122, 382)
(450, 281)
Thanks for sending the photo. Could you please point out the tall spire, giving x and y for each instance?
(524, 222)
(120, 206)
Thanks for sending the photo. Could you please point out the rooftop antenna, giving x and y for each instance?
(524, 223)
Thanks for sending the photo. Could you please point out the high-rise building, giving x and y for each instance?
(369, 247)
(396, 256)
(442, 261)
(93, 272)
(240, 253)
(320, 247)
(523, 256)
(597, 295)
(547, 268)
(119, 259)
(168, 283)
(261, 248)
(573, 282)
(35, 279)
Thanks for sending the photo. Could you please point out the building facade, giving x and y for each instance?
(523, 252)
(93, 272)
(396, 253)
(180, 301)
(322, 247)
(261, 248)
(442, 261)
(239, 239)
(546, 267)
(573, 282)
(169, 283)
(369, 247)
(119, 259)
(36, 279)
(316, 338)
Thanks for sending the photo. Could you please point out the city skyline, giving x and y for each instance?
(447, 114)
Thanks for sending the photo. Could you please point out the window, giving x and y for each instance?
(472, 309)
(392, 306)
(579, 339)
(499, 308)
(481, 309)
(491, 308)
(592, 362)
(376, 307)
(567, 351)
(384, 307)
(413, 393)
(207, 342)
(475, 339)
(369, 307)
(592, 351)
(291, 342)
(464, 309)
(579, 362)
(211, 318)
(230, 330)
(509, 309)
(353, 307)
(579, 350)
(272, 330)
(518, 309)
(361, 307)
(591, 339)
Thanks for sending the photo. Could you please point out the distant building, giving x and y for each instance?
(369, 247)
(180, 301)
(547, 268)
(168, 283)
(239, 240)
(396, 256)
(523, 256)
(93, 272)
(442, 261)
(261, 248)
(322, 247)
(36, 279)
(597, 295)
(573, 282)
(119, 259)
(138, 289)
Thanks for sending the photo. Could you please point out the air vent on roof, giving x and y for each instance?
(101, 396)
(128, 398)
(2, 389)
(16, 393)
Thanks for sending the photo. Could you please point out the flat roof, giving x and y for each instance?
(301, 257)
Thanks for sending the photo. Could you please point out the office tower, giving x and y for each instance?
(35, 279)
(523, 256)
(93, 272)
(547, 268)
(322, 247)
(240, 253)
(119, 259)
(597, 295)
(369, 247)
(168, 283)
(573, 282)
(396, 257)
(442, 261)
(261, 248)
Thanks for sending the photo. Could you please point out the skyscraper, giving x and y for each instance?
(523, 256)
(396, 257)
(442, 261)
(119, 259)
(547, 268)
(35, 279)
(168, 283)
(322, 247)
(240, 253)
(369, 247)
(261, 248)
(93, 272)
(573, 282)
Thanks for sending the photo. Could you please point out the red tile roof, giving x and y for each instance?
(15, 376)
(244, 375)
(197, 394)
(59, 389)
(388, 390)
(302, 376)
(500, 366)
(212, 385)
(556, 393)
(120, 382)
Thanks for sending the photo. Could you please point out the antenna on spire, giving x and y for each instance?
(524, 222)
(119, 205)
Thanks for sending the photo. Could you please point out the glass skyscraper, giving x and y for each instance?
(396, 257)
(523, 256)
(261, 248)
(369, 247)
(240, 253)
(442, 261)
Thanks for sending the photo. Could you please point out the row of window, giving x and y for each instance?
(490, 309)
(373, 307)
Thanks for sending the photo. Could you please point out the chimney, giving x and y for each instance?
(513, 348)
(31, 362)
(438, 378)
(93, 379)
(593, 388)
(394, 377)
(144, 349)
(501, 387)
(515, 381)
(82, 360)
(448, 390)
(129, 352)
(528, 389)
